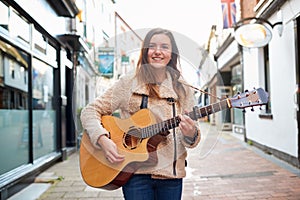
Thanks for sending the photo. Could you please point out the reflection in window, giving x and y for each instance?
(43, 111)
(13, 108)
(12, 69)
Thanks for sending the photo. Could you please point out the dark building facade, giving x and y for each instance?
(39, 51)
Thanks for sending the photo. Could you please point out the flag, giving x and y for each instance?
(229, 13)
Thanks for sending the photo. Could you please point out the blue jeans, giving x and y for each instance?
(143, 187)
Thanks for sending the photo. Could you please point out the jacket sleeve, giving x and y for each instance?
(188, 105)
(91, 115)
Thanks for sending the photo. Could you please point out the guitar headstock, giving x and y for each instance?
(256, 97)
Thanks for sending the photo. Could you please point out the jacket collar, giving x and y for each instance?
(165, 90)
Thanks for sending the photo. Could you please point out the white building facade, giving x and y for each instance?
(275, 68)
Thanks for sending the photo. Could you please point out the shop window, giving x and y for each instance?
(236, 83)
(236, 75)
(266, 75)
(14, 114)
(43, 115)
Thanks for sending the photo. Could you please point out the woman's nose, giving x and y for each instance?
(157, 49)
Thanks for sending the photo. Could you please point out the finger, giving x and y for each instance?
(118, 156)
(113, 159)
(186, 121)
(183, 122)
(183, 118)
(116, 159)
(187, 127)
(184, 127)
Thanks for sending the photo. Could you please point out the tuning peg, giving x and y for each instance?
(252, 109)
(238, 95)
(260, 108)
(244, 111)
(247, 93)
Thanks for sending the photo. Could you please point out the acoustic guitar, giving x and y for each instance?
(138, 137)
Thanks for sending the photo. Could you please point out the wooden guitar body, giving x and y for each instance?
(100, 173)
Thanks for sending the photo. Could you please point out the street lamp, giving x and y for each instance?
(255, 32)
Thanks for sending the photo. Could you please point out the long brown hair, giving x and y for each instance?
(144, 71)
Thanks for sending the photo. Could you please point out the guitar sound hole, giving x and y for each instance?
(131, 142)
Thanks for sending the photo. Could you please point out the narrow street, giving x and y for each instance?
(221, 167)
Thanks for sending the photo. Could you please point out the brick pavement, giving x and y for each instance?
(222, 167)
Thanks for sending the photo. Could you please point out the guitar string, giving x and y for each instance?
(202, 91)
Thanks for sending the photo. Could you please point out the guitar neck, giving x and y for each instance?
(197, 113)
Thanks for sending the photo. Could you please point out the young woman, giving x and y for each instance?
(156, 85)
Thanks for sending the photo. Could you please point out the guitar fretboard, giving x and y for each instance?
(196, 114)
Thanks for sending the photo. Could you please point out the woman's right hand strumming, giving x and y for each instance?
(110, 150)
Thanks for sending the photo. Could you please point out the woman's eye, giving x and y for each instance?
(151, 46)
(162, 47)
(166, 47)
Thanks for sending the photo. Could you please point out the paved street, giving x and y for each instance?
(222, 167)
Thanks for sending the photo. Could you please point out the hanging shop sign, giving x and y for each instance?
(106, 61)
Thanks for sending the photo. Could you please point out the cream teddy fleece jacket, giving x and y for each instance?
(125, 96)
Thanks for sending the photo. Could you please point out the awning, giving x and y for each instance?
(75, 42)
(64, 8)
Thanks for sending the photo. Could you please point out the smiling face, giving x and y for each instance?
(160, 51)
